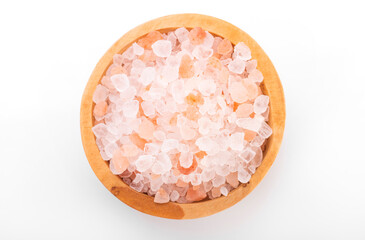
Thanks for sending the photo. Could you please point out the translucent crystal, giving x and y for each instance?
(236, 141)
(249, 123)
(100, 94)
(237, 66)
(261, 103)
(144, 162)
(130, 108)
(120, 82)
(147, 76)
(162, 48)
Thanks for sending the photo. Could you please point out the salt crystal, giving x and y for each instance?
(182, 34)
(204, 125)
(196, 180)
(201, 52)
(146, 129)
(110, 149)
(151, 148)
(207, 87)
(236, 141)
(148, 108)
(224, 191)
(104, 156)
(237, 66)
(186, 159)
(144, 162)
(255, 76)
(177, 91)
(174, 195)
(243, 175)
(137, 50)
(159, 135)
(130, 108)
(242, 51)
(100, 94)
(265, 131)
(249, 123)
(169, 144)
(209, 40)
(205, 143)
(162, 48)
(261, 103)
(248, 154)
(161, 196)
(120, 82)
(147, 76)
(251, 65)
(187, 133)
(238, 92)
(100, 130)
(222, 170)
(218, 181)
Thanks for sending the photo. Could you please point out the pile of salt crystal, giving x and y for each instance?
(180, 116)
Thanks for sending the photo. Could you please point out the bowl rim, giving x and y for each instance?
(270, 86)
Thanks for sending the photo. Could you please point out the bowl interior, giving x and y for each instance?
(271, 86)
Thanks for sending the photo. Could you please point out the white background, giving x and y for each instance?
(314, 190)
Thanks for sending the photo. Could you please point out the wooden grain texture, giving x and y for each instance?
(271, 86)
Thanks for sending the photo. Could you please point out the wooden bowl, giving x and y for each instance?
(271, 86)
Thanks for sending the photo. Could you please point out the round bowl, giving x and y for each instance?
(271, 86)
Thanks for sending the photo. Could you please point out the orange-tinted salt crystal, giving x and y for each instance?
(150, 39)
(252, 115)
(195, 195)
(197, 36)
(223, 75)
(148, 56)
(214, 62)
(225, 47)
(181, 183)
(155, 176)
(252, 90)
(137, 140)
(173, 120)
(186, 69)
(120, 163)
(100, 109)
(200, 154)
(244, 110)
(216, 192)
(129, 150)
(146, 129)
(249, 135)
(192, 113)
(117, 70)
(188, 170)
(232, 179)
(194, 99)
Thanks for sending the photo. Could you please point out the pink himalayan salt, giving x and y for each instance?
(164, 157)
(195, 195)
(120, 163)
(238, 92)
(244, 110)
(100, 94)
(232, 179)
(225, 47)
(151, 38)
(161, 196)
(146, 129)
(129, 150)
(100, 109)
(197, 36)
